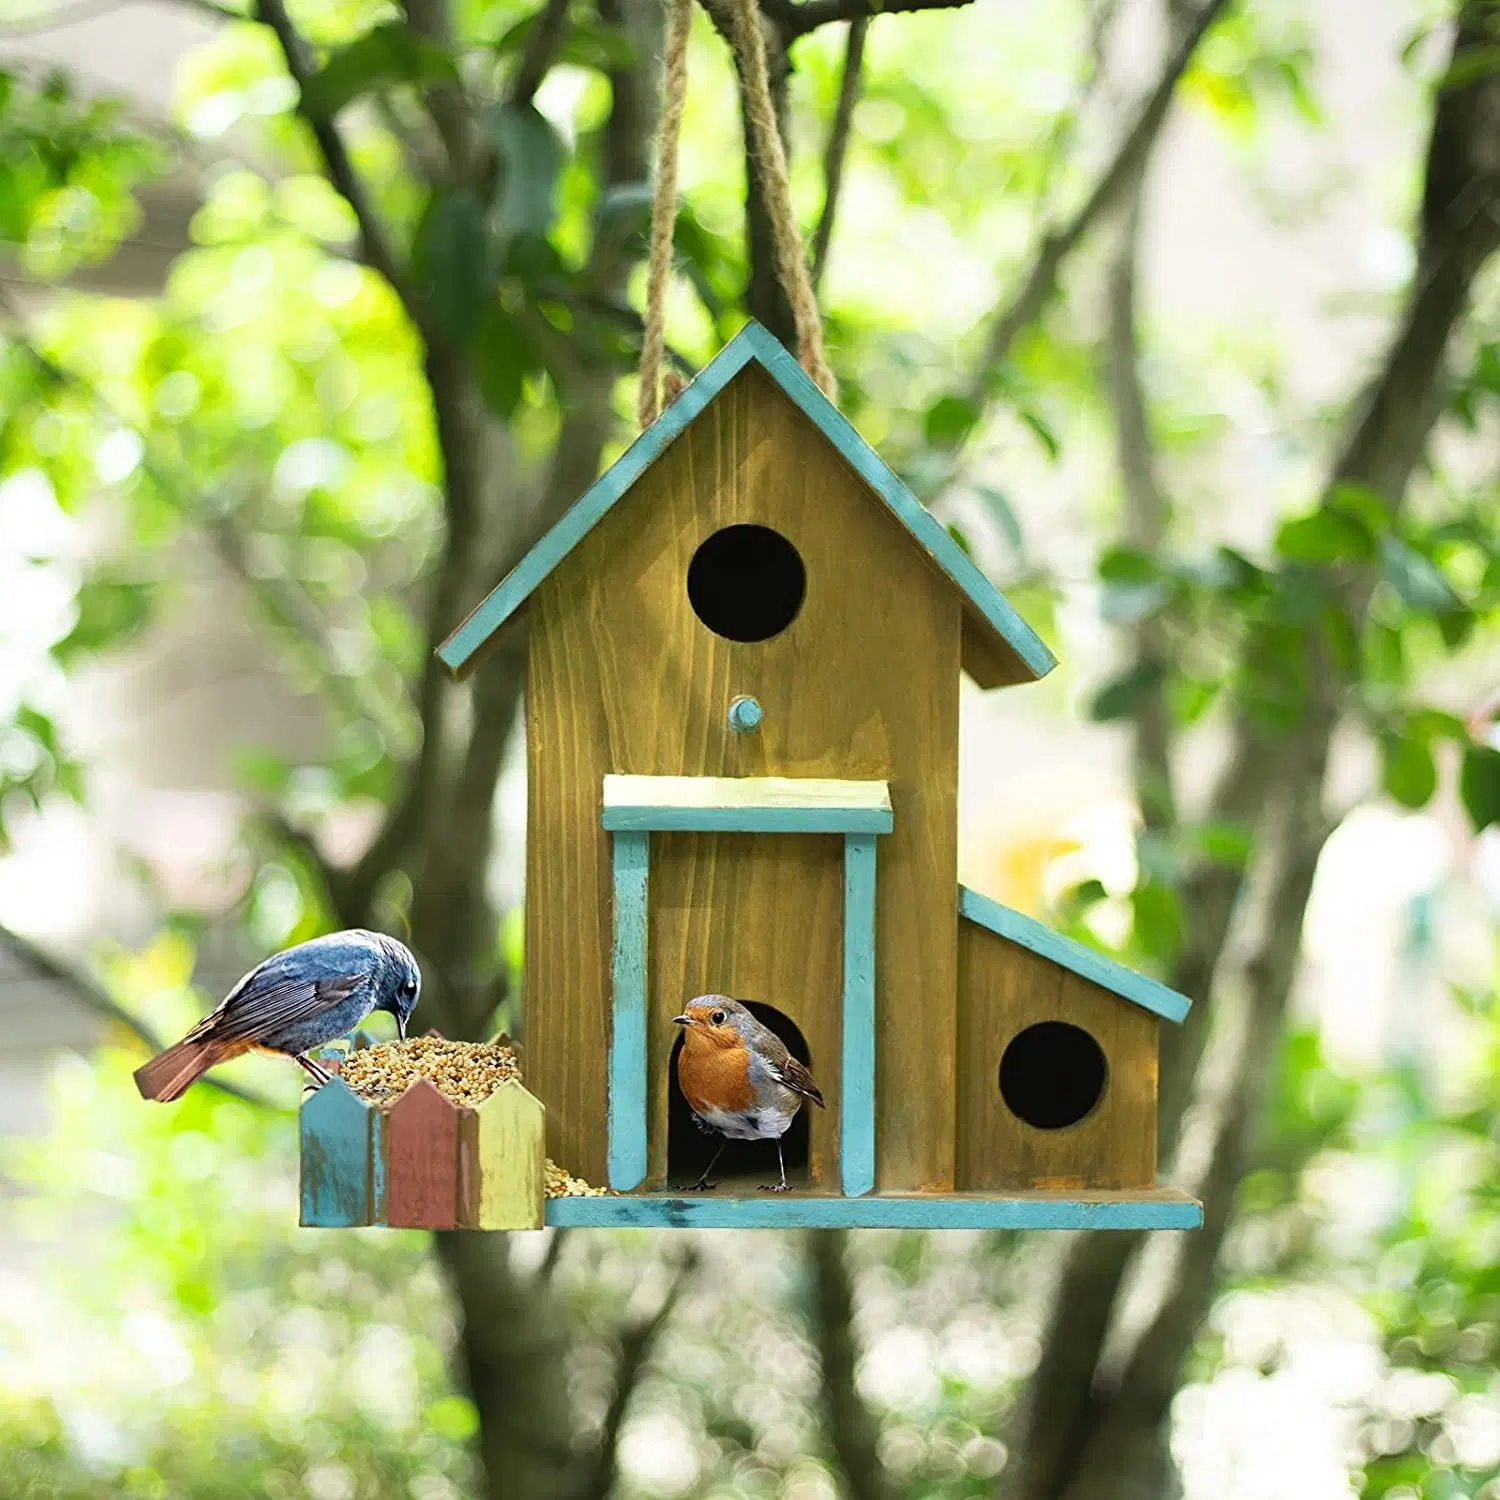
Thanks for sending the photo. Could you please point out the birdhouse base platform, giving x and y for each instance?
(1153, 1208)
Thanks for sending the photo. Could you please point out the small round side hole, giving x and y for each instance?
(1052, 1075)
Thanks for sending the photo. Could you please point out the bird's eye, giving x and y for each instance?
(717, 1019)
(410, 987)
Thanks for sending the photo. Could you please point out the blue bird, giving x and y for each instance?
(294, 1001)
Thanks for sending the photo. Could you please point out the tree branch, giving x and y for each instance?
(838, 144)
(513, 1350)
(1127, 1451)
(1087, 1434)
(851, 1427)
(794, 20)
(282, 600)
(96, 999)
(637, 1343)
(374, 249)
(430, 20)
(542, 46)
(1057, 244)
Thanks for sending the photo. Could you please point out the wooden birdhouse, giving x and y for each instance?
(744, 651)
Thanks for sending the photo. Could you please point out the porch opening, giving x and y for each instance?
(744, 1164)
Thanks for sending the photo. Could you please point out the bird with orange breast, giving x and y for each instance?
(739, 1079)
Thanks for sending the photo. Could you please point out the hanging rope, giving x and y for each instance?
(791, 259)
(664, 214)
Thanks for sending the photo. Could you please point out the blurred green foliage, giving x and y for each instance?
(174, 1336)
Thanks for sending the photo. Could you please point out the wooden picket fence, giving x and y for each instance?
(422, 1162)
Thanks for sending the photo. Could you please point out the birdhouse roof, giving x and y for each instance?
(1012, 651)
(1087, 963)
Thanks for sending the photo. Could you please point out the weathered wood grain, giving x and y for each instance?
(862, 685)
(336, 1131)
(422, 1160)
(1005, 988)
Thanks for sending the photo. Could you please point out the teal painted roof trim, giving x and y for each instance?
(1088, 964)
(752, 343)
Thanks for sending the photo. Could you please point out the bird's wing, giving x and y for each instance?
(268, 1001)
(796, 1077)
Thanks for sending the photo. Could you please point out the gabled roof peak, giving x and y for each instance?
(986, 611)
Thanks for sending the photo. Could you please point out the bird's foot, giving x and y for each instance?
(701, 1187)
(319, 1074)
(775, 1187)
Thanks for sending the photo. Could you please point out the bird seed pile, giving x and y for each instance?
(465, 1072)
(563, 1184)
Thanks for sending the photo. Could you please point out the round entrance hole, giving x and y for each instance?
(746, 583)
(1052, 1075)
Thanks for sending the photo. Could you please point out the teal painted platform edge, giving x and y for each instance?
(630, 863)
(1140, 990)
(857, 1071)
(751, 343)
(655, 819)
(765, 1211)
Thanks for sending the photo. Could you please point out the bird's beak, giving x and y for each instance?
(401, 1026)
(682, 1020)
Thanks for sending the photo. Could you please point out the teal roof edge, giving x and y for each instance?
(752, 343)
(1087, 963)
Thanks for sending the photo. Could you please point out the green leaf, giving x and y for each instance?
(1189, 698)
(1408, 771)
(1419, 583)
(503, 356)
(961, 539)
(1120, 696)
(1470, 66)
(391, 53)
(1044, 433)
(588, 44)
(1003, 516)
(1325, 536)
(948, 421)
(110, 611)
(532, 157)
(1479, 785)
(1158, 919)
(1128, 565)
(452, 262)
(1222, 843)
(1362, 504)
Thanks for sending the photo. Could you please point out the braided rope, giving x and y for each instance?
(664, 213)
(791, 258)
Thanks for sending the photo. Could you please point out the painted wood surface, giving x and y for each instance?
(1158, 1210)
(858, 1077)
(1008, 650)
(1005, 988)
(630, 958)
(1016, 927)
(508, 1132)
(422, 1173)
(336, 1132)
(750, 792)
(862, 685)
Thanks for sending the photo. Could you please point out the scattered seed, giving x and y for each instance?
(563, 1184)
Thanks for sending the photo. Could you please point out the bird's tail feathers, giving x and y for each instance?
(167, 1076)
